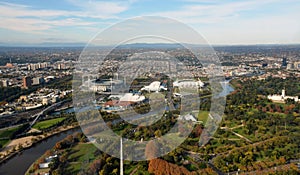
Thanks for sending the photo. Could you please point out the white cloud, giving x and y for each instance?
(93, 9)
(267, 30)
(223, 22)
(26, 19)
(213, 13)
(100, 9)
(220, 21)
(17, 10)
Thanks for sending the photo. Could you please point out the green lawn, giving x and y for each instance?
(80, 157)
(202, 116)
(4, 142)
(7, 134)
(48, 123)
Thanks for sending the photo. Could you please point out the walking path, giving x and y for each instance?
(237, 134)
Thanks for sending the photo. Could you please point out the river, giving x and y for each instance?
(227, 88)
(18, 164)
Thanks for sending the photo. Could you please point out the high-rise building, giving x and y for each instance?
(284, 62)
(37, 80)
(27, 82)
(264, 65)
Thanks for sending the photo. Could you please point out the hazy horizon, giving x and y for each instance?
(3, 45)
(227, 22)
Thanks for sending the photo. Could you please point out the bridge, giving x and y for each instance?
(37, 116)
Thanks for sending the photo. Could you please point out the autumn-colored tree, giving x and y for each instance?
(41, 160)
(48, 153)
(96, 165)
(157, 133)
(63, 158)
(70, 139)
(152, 149)
(58, 145)
(206, 171)
(36, 166)
(162, 167)
(197, 131)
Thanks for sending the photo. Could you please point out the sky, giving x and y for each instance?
(224, 22)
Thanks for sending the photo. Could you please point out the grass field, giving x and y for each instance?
(202, 116)
(80, 156)
(48, 123)
(6, 134)
(4, 142)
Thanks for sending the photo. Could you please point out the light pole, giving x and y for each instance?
(237, 173)
(121, 156)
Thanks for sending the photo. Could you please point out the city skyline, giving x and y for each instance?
(219, 22)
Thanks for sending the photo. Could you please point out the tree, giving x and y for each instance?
(152, 149)
(54, 163)
(157, 133)
(63, 158)
(58, 146)
(162, 167)
(96, 165)
(197, 131)
(105, 170)
(48, 153)
(36, 167)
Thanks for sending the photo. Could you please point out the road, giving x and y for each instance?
(197, 157)
(268, 170)
(243, 147)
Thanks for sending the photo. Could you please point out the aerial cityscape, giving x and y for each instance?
(229, 105)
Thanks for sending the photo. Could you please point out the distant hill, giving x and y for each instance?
(151, 45)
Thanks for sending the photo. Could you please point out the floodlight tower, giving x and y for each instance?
(121, 156)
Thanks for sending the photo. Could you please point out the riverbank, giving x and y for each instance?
(65, 106)
(16, 146)
(235, 83)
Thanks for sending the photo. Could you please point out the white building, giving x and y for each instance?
(45, 101)
(33, 106)
(101, 85)
(132, 98)
(44, 165)
(282, 97)
(4, 83)
(187, 117)
(154, 87)
(188, 84)
(47, 163)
